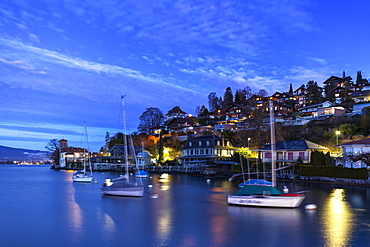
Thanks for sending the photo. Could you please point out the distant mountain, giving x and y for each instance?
(20, 155)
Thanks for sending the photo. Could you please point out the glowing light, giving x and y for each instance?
(338, 220)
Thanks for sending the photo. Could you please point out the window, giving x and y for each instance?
(290, 156)
(200, 143)
(268, 155)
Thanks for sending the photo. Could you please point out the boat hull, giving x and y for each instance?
(137, 191)
(142, 176)
(281, 201)
(84, 179)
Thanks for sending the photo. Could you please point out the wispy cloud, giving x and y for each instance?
(52, 57)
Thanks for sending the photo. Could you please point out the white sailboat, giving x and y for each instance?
(122, 186)
(265, 194)
(82, 175)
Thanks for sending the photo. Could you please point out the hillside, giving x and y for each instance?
(21, 155)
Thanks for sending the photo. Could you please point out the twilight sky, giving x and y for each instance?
(66, 62)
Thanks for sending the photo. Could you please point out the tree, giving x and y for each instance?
(240, 96)
(248, 92)
(201, 111)
(291, 89)
(150, 119)
(348, 129)
(364, 127)
(318, 158)
(314, 95)
(228, 99)
(214, 102)
(53, 146)
(359, 77)
(262, 93)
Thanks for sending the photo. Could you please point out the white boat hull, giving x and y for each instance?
(142, 176)
(84, 179)
(266, 201)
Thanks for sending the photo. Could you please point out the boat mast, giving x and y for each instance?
(125, 135)
(273, 152)
(84, 159)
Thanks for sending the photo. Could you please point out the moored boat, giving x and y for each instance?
(122, 186)
(262, 193)
(82, 175)
(141, 174)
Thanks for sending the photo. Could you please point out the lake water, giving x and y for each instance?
(43, 207)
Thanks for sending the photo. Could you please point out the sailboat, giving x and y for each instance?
(263, 194)
(142, 174)
(82, 175)
(122, 186)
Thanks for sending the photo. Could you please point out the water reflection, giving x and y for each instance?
(338, 219)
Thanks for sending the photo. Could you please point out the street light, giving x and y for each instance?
(249, 173)
(337, 133)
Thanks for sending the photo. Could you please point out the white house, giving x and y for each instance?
(353, 148)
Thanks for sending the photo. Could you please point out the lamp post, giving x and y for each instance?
(337, 133)
(249, 173)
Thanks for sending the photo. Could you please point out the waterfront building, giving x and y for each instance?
(207, 153)
(288, 152)
(352, 153)
(71, 157)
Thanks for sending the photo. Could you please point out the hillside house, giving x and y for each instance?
(322, 110)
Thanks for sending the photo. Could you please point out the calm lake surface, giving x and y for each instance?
(43, 207)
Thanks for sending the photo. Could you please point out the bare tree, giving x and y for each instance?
(150, 119)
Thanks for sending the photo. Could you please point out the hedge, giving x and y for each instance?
(332, 172)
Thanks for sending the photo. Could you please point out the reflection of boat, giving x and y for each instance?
(262, 194)
(141, 174)
(122, 186)
(81, 175)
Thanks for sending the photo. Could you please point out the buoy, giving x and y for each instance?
(285, 190)
(310, 207)
(96, 181)
(150, 186)
(208, 180)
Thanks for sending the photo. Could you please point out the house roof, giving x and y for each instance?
(176, 109)
(121, 148)
(365, 141)
(179, 121)
(295, 145)
(360, 93)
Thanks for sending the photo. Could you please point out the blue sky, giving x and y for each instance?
(63, 63)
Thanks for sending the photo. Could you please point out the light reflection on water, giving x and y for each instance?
(338, 219)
